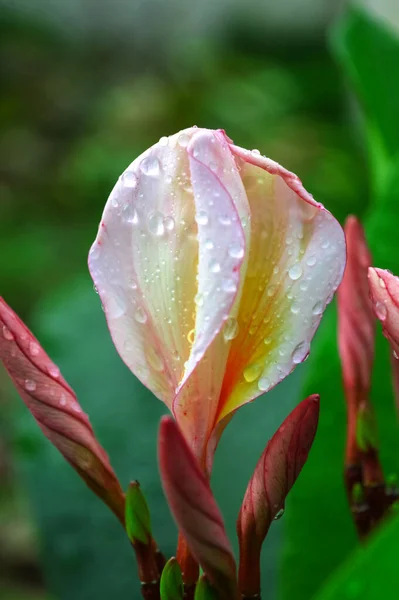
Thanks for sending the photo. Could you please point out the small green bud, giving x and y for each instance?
(204, 590)
(137, 515)
(366, 430)
(171, 585)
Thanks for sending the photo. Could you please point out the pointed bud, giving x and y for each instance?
(356, 329)
(195, 510)
(56, 409)
(274, 476)
(204, 590)
(384, 290)
(366, 429)
(171, 586)
(137, 515)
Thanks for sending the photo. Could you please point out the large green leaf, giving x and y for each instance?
(317, 514)
(369, 53)
(372, 572)
(84, 550)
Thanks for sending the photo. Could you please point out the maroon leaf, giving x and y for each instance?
(274, 475)
(195, 510)
(56, 409)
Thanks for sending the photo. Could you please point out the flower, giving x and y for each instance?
(214, 266)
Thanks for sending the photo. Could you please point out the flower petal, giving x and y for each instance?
(384, 289)
(296, 262)
(144, 264)
(221, 208)
(195, 510)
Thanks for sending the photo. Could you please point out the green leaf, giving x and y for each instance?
(171, 585)
(371, 573)
(137, 515)
(204, 590)
(369, 53)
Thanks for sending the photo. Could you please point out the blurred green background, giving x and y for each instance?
(87, 86)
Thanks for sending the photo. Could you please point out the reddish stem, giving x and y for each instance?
(189, 567)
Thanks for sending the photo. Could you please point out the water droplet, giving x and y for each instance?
(191, 336)
(201, 218)
(317, 308)
(304, 286)
(224, 220)
(34, 348)
(230, 329)
(279, 514)
(271, 290)
(156, 224)
(299, 353)
(214, 266)
(199, 300)
(267, 341)
(295, 308)
(129, 179)
(7, 334)
(382, 283)
(150, 166)
(154, 360)
(325, 244)
(264, 384)
(236, 250)
(140, 315)
(94, 251)
(169, 223)
(229, 285)
(164, 141)
(252, 372)
(63, 400)
(395, 354)
(30, 385)
(311, 261)
(381, 311)
(183, 140)
(209, 245)
(295, 272)
(54, 371)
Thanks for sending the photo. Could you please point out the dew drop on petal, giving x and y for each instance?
(236, 250)
(155, 224)
(382, 283)
(129, 179)
(311, 261)
(209, 244)
(7, 334)
(30, 385)
(381, 311)
(201, 217)
(317, 308)
(199, 300)
(150, 166)
(34, 348)
(183, 140)
(295, 272)
(169, 223)
(54, 371)
(267, 341)
(164, 141)
(140, 315)
(191, 336)
(229, 285)
(230, 329)
(252, 372)
(263, 384)
(116, 307)
(299, 353)
(214, 266)
(224, 220)
(295, 308)
(63, 400)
